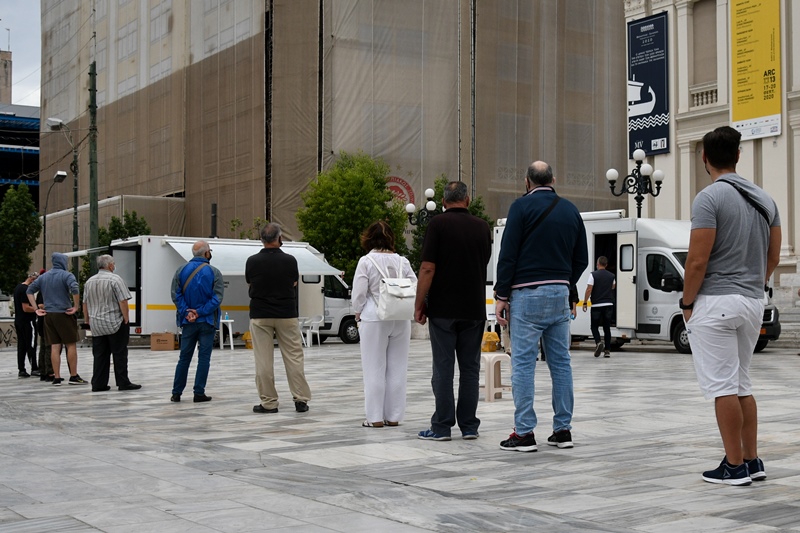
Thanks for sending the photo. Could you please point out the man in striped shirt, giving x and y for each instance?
(105, 306)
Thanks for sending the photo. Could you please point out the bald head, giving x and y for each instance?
(200, 248)
(539, 173)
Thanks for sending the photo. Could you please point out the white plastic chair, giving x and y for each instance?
(312, 328)
(303, 322)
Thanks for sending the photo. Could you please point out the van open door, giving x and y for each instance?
(626, 280)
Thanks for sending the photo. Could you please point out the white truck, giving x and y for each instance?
(147, 264)
(647, 257)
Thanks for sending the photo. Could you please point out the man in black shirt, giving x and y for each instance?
(600, 288)
(272, 276)
(451, 292)
(24, 321)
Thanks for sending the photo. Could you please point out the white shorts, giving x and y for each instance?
(723, 331)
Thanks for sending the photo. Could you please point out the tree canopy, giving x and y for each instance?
(19, 235)
(342, 202)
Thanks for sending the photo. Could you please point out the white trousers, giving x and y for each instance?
(384, 360)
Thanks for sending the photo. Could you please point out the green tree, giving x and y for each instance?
(476, 207)
(240, 232)
(342, 202)
(19, 235)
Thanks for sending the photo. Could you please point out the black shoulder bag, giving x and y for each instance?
(749, 199)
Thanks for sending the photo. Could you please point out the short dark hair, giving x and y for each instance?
(539, 175)
(455, 192)
(270, 233)
(602, 261)
(721, 147)
(378, 235)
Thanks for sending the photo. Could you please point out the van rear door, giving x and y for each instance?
(626, 280)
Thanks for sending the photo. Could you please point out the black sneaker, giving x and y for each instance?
(562, 439)
(23, 374)
(49, 377)
(35, 373)
(599, 348)
(57, 381)
(199, 398)
(77, 380)
(300, 407)
(756, 469)
(606, 354)
(175, 398)
(728, 474)
(519, 443)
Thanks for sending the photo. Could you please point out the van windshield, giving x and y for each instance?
(681, 257)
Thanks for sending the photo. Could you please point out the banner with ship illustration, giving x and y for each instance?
(648, 85)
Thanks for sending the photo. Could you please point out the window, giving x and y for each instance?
(159, 20)
(626, 262)
(660, 267)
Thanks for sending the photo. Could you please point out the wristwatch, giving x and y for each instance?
(684, 306)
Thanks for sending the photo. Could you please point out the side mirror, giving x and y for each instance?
(670, 283)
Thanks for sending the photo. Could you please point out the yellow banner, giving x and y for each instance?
(756, 67)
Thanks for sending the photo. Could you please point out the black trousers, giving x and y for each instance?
(602, 316)
(26, 344)
(103, 348)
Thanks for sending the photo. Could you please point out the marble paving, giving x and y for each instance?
(76, 461)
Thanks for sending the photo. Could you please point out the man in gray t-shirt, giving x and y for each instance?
(733, 249)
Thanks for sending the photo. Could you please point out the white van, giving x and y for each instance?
(147, 264)
(647, 257)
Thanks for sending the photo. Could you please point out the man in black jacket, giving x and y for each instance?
(600, 288)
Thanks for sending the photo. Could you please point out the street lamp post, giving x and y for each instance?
(56, 124)
(638, 182)
(58, 178)
(424, 215)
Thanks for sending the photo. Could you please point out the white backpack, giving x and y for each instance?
(396, 298)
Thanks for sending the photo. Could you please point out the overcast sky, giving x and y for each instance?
(22, 18)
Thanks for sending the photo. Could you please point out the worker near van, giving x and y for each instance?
(272, 277)
(734, 247)
(24, 323)
(543, 252)
(600, 289)
(451, 297)
(60, 293)
(106, 312)
(197, 291)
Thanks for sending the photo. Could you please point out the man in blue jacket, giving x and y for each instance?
(197, 290)
(543, 253)
(60, 292)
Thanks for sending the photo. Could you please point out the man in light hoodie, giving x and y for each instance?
(61, 301)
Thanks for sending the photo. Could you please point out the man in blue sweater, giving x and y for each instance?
(543, 253)
(197, 291)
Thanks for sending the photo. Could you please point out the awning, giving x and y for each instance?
(230, 259)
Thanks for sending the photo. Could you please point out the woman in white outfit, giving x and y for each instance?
(384, 343)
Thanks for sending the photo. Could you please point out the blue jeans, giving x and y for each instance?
(202, 335)
(455, 340)
(541, 312)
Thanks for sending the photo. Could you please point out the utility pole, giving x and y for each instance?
(93, 214)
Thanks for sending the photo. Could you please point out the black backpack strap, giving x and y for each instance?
(541, 217)
(749, 199)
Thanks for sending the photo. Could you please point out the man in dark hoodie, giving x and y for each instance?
(59, 289)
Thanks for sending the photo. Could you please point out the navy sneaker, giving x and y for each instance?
(756, 469)
(519, 443)
(561, 438)
(430, 435)
(728, 474)
(470, 435)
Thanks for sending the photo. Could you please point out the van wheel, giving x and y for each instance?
(349, 331)
(680, 338)
(761, 344)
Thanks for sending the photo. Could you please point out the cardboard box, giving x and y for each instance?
(163, 342)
